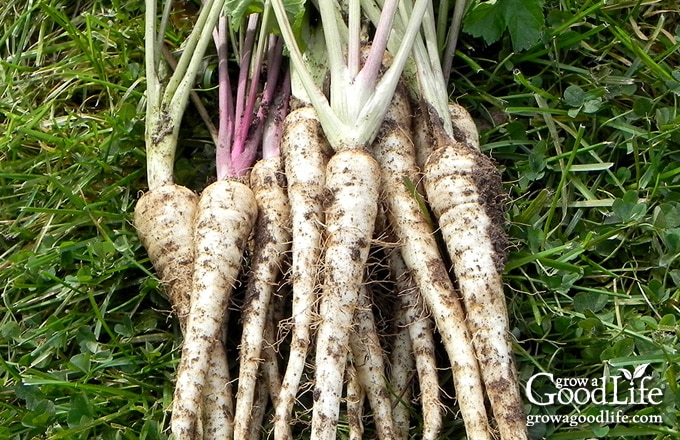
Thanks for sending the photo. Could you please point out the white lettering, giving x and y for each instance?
(528, 391)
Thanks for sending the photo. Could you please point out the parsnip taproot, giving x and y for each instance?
(401, 367)
(305, 152)
(352, 181)
(217, 410)
(272, 238)
(164, 220)
(421, 335)
(394, 151)
(465, 191)
(356, 396)
(224, 219)
(368, 358)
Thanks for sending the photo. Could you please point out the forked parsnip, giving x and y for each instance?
(272, 238)
(352, 181)
(305, 152)
(368, 358)
(465, 191)
(394, 151)
(226, 214)
(164, 221)
(421, 335)
(164, 217)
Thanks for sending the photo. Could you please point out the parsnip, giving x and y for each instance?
(421, 334)
(402, 365)
(370, 366)
(465, 191)
(394, 151)
(305, 152)
(164, 221)
(225, 217)
(217, 411)
(352, 179)
(272, 238)
(355, 403)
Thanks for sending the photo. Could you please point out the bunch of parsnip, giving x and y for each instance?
(331, 201)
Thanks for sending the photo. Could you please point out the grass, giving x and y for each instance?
(584, 125)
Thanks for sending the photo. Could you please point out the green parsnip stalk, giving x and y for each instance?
(351, 120)
(350, 125)
(166, 105)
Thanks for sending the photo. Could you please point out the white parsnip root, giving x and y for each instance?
(217, 412)
(401, 367)
(369, 363)
(352, 180)
(394, 150)
(225, 217)
(305, 152)
(421, 333)
(273, 241)
(465, 192)
(164, 220)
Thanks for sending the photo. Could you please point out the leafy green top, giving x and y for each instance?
(523, 19)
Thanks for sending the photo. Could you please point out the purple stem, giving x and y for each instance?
(224, 165)
(249, 137)
(369, 73)
(273, 130)
(244, 68)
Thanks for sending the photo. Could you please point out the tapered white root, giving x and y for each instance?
(464, 189)
(402, 365)
(352, 180)
(370, 366)
(272, 242)
(226, 214)
(305, 152)
(355, 403)
(394, 151)
(421, 336)
(218, 405)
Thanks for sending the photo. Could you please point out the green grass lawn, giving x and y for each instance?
(584, 125)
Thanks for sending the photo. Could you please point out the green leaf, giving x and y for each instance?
(574, 96)
(592, 105)
(643, 106)
(523, 19)
(81, 412)
(240, 9)
(485, 21)
(81, 362)
(628, 208)
(589, 301)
